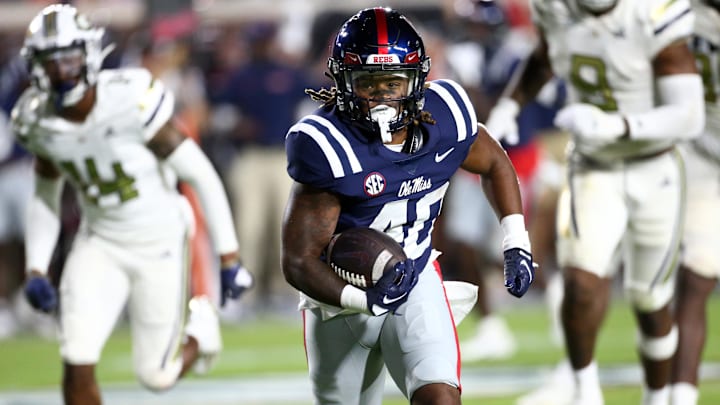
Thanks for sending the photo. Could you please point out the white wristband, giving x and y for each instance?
(353, 298)
(514, 233)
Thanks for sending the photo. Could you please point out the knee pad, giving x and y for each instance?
(658, 348)
(651, 301)
(159, 379)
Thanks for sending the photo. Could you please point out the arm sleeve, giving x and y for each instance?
(191, 165)
(680, 115)
(43, 223)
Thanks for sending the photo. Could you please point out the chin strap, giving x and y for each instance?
(414, 141)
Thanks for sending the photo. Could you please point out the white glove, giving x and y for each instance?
(502, 121)
(588, 122)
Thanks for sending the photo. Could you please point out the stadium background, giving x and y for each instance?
(263, 361)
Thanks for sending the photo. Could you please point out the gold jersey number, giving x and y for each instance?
(589, 76)
(122, 185)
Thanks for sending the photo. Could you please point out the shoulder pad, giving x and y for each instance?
(458, 102)
(319, 152)
(664, 15)
(549, 13)
(666, 20)
(152, 102)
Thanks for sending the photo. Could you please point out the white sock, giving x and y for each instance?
(656, 397)
(684, 394)
(587, 382)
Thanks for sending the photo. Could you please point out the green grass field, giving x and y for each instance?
(274, 346)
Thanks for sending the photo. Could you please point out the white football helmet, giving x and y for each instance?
(58, 28)
(597, 6)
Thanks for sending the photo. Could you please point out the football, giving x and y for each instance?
(361, 256)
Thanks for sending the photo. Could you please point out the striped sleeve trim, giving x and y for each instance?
(154, 102)
(663, 27)
(458, 101)
(155, 111)
(667, 14)
(341, 139)
(327, 149)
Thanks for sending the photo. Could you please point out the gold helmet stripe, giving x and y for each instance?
(50, 28)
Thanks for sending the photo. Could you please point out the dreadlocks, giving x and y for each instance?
(326, 96)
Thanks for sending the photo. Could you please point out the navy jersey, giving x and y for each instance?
(393, 192)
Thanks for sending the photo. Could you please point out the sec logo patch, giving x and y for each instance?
(374, 184)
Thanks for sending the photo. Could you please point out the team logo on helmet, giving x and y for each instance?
(374, 184)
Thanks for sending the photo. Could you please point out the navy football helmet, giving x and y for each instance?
(379, 41)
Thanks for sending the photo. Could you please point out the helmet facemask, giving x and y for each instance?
(383, 100)
(379, 67)
(69, 67)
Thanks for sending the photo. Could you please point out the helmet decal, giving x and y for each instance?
(382, 34)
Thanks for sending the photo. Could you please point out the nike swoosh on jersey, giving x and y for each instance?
(387, 301)
(440, 157)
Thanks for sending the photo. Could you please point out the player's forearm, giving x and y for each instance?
(681, 114)
(502, 189)
(43, 224)
(191, 165)
(311, 276)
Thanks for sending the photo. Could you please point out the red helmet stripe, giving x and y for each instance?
(382, 34)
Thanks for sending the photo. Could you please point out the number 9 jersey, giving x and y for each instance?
(125, 192)
(607, 61)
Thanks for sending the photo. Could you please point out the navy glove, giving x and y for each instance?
(234, 280)
(393, 288)
(41, 294)
(519, 271)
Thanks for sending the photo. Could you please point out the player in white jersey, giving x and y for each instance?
(110, 134)
(700, 265)
(634, 93)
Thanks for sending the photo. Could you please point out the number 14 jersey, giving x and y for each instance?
(125, 192)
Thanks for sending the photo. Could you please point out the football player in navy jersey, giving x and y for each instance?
(379, 153)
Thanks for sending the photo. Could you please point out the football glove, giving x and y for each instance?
(234, 280)
(590, 123)
(393, 288)
(41, 294)
(519, 271)
(502, 121)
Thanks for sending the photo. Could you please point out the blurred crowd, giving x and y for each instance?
(240, 85)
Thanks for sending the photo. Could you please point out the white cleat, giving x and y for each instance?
(558, 390)
(204, 325)
(492, 341)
